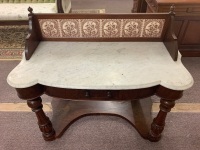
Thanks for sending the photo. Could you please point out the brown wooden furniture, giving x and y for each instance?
(96, 95)
(139, 6)
(187, 21)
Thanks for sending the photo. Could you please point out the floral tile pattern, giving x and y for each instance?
(152, 27)
(132, 27)
(70, 28)
(101, 28)
(90, 28)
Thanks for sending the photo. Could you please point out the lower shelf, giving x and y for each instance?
(136, 112)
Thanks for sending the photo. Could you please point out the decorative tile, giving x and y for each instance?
(132, 27)
(101, 28)
(111, 28)
(49, 28)
(90, 28)
(70, 28)
(153, 27)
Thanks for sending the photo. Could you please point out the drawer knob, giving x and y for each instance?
(109, 94)
(87, 94)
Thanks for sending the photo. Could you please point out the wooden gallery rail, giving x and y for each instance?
(101, 64)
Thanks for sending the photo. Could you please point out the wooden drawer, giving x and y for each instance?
(81, 94)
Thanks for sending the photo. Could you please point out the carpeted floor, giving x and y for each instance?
(12, 39)
(19, 131)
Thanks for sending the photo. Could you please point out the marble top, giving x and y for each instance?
(101, 65)
(19, 11)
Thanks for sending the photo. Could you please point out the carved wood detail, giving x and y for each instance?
(44, 123)
(158, 123)
(33, 37)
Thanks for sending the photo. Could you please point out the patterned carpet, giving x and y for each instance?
(12, 38)
(12, 41)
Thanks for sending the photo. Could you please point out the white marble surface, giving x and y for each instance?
(101, 65)
(19, 11)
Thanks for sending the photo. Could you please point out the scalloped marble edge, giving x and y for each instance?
(106, 87)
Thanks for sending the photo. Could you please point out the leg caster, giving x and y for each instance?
(158, 123)
(44, 123)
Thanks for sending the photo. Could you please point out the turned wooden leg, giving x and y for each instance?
(158, 123)
(44, 123)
